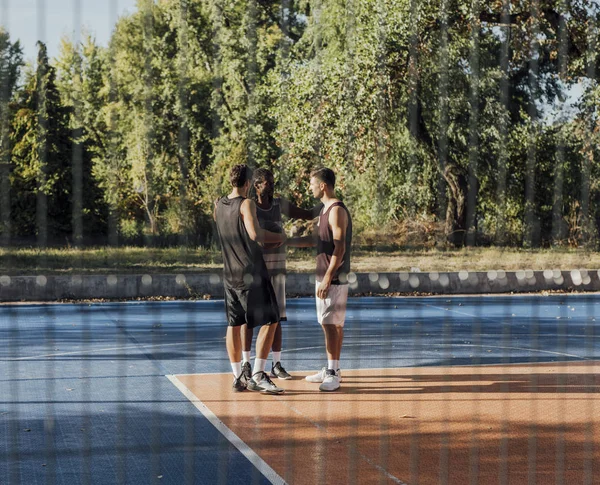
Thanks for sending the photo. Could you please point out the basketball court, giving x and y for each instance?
(496, 389)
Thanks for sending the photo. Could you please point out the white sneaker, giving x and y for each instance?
(320, 376)
(331, 381)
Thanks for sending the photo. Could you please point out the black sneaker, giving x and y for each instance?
(247, 371)
(260, 382)
(278, 371)
(239, 384)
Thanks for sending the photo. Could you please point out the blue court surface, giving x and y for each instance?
(84, 396)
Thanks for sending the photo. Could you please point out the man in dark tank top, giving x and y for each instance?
(269, 210)
(333, 241)
(249, 295)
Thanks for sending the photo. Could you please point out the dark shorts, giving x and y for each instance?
(255, 306)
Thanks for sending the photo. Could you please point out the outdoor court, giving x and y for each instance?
(499, 389)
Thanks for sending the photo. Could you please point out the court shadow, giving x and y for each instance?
(350, 443)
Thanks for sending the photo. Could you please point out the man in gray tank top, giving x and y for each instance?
(333, 241)
(249, 295)
(269, 210)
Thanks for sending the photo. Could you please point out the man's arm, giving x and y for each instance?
(302, 242)
(290, 210)
(256, 233)
(338, 220)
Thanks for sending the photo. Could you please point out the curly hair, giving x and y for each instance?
(239, 175)
(261, 174)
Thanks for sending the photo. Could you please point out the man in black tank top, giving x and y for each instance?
(269, 210)
(333, 242)
(249, 295)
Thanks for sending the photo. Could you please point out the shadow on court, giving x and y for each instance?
(449, 425)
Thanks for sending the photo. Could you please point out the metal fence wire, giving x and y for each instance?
(457, 130)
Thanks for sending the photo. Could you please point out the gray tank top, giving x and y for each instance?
(270, 220)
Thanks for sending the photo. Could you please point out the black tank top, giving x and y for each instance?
(325, 247)
(243, 263)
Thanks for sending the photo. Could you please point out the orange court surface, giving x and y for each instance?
(517, 424)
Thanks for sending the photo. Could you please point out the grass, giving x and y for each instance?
(365, 259)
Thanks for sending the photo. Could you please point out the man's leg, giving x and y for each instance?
(264, 341)
(246, 336)
(235, 317)
(277, 369)
(234, 344)
(333, 326)
(262, 310)
(277, 338)
(260, 379)
(334, 335)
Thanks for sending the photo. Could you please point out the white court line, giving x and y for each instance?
(234, 439)
(463, 313)
(245, 449)
(513, 348)
(365, 344)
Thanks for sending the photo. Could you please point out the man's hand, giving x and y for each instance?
(284, 239)
(323, 289)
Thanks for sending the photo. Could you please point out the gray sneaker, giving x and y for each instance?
(260, 382)
(247, 371)
(278, 371)
(239, 384)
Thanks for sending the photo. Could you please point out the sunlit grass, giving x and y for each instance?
(364, 259)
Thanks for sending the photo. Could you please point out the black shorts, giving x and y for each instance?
(255, 306)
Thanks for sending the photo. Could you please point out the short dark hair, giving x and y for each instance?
(239, 175)
(324, 175)
(261, 174)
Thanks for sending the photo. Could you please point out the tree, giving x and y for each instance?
(80, 81)
(11, 61)
(160, 116)
(41, 157)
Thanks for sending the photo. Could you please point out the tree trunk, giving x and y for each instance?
(455, 227)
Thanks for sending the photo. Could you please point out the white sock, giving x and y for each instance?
(259, 365)
(276, 357)
(246, 356)
(236, 367)
(333, 364)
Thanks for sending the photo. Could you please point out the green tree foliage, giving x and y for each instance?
(80, 70)
(159, 111)
(394, 94)
(41, 157)
(444, 110)
(11, 61)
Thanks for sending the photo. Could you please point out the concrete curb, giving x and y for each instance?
(126, 287)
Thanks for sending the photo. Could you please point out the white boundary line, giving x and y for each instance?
(268, 472)
(234, 439)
